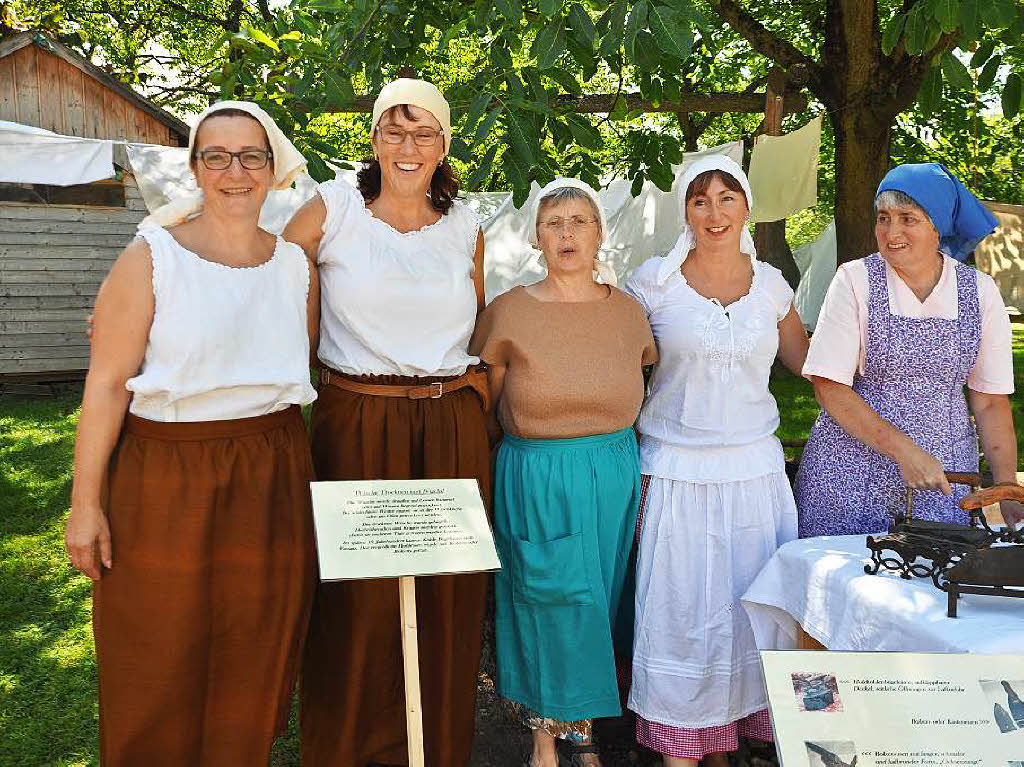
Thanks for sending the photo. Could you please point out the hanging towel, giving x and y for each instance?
(35, 156)
(784, 172)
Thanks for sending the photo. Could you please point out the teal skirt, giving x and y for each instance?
(564, 519)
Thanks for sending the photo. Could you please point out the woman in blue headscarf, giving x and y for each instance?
(900, 334)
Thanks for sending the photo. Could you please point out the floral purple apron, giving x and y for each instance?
(915, 371)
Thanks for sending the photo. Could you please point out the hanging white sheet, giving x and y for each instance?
(817, 263)
(31, 155)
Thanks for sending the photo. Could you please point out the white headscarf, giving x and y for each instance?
(604, 270)
(420, 94)
(288, 164)
(687, 239)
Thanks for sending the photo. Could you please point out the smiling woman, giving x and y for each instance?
(901, 333)
(191, 510)
(401, 265)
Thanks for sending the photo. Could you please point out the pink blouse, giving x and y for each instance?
(840, 338)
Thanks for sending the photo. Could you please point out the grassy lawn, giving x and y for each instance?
(47, 671)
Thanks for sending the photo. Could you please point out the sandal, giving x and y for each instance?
(571, 754)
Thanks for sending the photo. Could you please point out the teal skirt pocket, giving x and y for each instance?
(550, 573)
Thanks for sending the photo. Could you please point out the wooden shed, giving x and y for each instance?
(57, 242)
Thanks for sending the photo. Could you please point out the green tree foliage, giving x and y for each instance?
(518, 73)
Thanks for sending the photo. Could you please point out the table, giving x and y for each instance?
(819, 585)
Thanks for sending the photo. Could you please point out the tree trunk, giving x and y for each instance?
(772, 248)
(861, 160)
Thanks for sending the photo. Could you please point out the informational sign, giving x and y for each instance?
(392, 528)
(840, 709)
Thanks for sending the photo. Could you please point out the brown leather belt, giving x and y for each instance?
(475, 378)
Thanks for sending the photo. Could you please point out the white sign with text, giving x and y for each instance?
(393, 528)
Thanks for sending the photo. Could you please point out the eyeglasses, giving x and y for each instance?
(392, 134)
(250, 159)
(574, 223)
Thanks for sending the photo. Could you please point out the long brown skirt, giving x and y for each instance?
(352, 692)
(200, 622)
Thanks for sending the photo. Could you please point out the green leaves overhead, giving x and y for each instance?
(956, 73)
(672, 31)
(510, 9)
(931, 91)
(893, 32)
(1011, 97)
(549, 44)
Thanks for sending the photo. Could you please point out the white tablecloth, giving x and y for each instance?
(820, 584)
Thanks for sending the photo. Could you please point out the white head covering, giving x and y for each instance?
(687, 239)
(419, 93)
(288, 164)
(604, 270)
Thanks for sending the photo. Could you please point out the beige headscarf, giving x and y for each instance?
(420, 94)
(605, 272)
(288, 164)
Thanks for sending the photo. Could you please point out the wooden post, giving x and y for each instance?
(411, 658)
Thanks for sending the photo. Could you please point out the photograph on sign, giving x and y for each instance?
(392, 528)
(831, 709)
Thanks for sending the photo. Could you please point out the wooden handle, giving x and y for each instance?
(971, 478)
(990, 495)
(411, 657)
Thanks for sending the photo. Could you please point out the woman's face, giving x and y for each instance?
(569, 235)
(407, 167)
(905, 236)
(717, 217)
(234, 191)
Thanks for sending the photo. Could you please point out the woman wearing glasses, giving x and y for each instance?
(191, 512)
(401, 270)
(565, 360)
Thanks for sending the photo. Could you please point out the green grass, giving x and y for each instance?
(47, 669)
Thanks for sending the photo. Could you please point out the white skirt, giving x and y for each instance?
(695, 663)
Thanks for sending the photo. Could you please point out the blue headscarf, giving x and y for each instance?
(961, 220)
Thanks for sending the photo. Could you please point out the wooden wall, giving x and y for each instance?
(41, 89)
(52, 260)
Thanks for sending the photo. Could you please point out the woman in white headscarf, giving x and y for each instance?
(401, 270)
(716, 502)
(190, 507)
(565, 359)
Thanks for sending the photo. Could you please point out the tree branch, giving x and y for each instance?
(803, 69)
(359, 33)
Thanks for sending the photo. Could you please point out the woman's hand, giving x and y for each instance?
(87, 540)
(921, 470)
(1012, 513)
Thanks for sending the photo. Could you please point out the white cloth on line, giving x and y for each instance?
(709, 416)
(820, 584)
(395, 303)
(36, 156)
(784, 172)
(695, 660)
(225, 342)
(816, 261)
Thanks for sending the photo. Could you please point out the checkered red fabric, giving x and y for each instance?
(697, 743)
(645, 482)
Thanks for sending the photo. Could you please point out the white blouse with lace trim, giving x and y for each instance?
(225, 342)
(709, 416)
(395, 303)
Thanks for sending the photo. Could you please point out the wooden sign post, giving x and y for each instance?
(411, 657)
(402, 529)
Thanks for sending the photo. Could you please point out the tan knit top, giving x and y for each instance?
(572, 369)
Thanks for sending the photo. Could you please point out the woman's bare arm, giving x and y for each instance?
(124, 313)
(793, 342)
(994, 418)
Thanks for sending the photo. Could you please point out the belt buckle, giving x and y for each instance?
(439, 392)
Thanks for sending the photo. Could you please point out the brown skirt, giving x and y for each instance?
(200, 622)
(352, 691)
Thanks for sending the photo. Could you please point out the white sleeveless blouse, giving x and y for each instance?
(225, 342)
(395, 303)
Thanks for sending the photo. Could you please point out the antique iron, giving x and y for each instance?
(817, 694)
(959, 559)
(828, 758)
